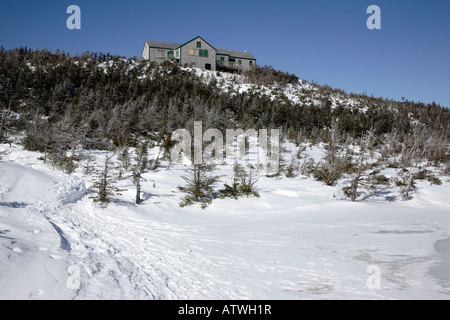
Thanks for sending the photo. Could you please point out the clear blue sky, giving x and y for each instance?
(325, 41)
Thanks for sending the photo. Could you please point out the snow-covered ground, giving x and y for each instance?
(294, 242)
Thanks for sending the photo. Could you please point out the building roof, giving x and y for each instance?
(236, 54)
(162, 45)
(182, 45)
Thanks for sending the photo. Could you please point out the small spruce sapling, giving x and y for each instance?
(104, 185)
(244, 184)
(139, 167)
(199, 186)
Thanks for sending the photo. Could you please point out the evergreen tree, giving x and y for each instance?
(4, 121)
(141, 163)
(407, 185)
(124, 159)
(104, 184)
(244, 184)
(362, 165)
(199, 186)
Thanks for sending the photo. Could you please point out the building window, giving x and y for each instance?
(231, 59)
(196, 52)
(250, 63)
(199, 44)
(222, 59)
(240, 61)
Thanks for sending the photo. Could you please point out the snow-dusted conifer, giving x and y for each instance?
(199, 186)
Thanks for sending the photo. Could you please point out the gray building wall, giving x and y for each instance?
(145, 52)
(158, 54)
(154, 54)
(196, 60)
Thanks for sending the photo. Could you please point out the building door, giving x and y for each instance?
(208, 66)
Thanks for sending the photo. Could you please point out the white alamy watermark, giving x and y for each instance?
(74, 280)
(374, 280)
(374, 21)
(74, 21)
(244, 147)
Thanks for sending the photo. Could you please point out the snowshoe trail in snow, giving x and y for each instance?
(31, 253)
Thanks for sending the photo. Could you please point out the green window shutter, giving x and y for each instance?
(200, 53)
(205, 53)
(222, 59)
(250, 63)
(240, 61)
(199, 44)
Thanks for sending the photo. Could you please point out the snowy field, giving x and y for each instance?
(294, 242)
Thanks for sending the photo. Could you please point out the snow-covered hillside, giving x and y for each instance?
(296, 241)
(355, 207)
(301, 92)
